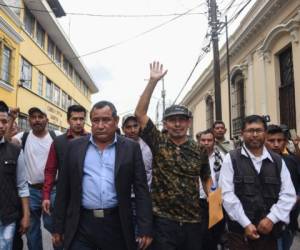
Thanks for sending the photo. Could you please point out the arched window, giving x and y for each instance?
(209, 112)
(237, 102)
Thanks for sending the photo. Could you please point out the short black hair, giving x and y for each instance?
(102, 104)
(3, 107)
(218, 122)
(205, 132)
(254, 119)
(75, 108)
(275, 129)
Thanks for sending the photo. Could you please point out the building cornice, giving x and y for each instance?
(292, 27)
(10, 31)
(256, 18)
(10, 13)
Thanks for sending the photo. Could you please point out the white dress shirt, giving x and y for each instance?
(233, 206)
(214, 185)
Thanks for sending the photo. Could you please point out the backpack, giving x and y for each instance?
(26, 133)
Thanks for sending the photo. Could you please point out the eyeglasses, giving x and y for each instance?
(252, 131)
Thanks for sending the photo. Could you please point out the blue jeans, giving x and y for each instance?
(7, 233)
(286, 241)
(34, 234)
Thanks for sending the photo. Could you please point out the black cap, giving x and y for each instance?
(36, 109)
(127, 117)
(177, 110)
(4, 107)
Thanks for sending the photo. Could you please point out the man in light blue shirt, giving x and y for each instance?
(98, 185)
(93, 204)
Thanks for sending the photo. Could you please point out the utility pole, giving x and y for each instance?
(228, 75)
(214, 22)
(163, 95)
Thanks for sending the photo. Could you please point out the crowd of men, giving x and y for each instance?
(145, 189)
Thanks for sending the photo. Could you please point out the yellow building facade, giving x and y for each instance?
(47, 72)
(264, 71)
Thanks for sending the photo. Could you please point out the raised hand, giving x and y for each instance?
(156, 71)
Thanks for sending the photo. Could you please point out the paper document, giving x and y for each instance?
(215, 207)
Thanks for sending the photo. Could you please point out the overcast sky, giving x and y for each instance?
(121, 72)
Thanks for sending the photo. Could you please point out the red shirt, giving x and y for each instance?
(51, 168)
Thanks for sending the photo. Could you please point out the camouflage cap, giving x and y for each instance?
(177, 110)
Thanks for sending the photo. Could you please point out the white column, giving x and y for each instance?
(265, 58)
(251, 105)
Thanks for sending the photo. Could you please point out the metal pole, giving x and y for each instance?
(228, 77)
(163, 95)
(215, 41)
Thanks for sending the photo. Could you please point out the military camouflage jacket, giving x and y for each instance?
(176, 171)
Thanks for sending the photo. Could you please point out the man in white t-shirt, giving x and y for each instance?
(36, 145)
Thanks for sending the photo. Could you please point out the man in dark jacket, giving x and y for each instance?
(93, 204)
(276, 140)
(13, 185)
(76, 120)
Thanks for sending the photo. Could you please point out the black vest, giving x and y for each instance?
(257, 192)
(60, 146)
(9, 199)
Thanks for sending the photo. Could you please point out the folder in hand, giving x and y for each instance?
(215, 207)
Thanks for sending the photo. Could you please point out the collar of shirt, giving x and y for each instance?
(70, 135)
(2, 140)
(109, 145)
(264, 155)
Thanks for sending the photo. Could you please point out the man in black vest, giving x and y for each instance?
(258, 194)
(13, 185)
(76, 119)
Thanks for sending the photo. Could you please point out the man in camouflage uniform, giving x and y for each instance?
(177, 164)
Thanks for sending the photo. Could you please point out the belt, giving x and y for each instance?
(101, 212)
(36, 185)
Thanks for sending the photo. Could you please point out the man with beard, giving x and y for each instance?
(277, 140)
(76, 120)
(178, 162)
(36, 145)
(258, 194)
(222, 144)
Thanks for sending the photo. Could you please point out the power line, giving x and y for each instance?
(129, 39)
(105, 15)
(201, 56)
(205, 50)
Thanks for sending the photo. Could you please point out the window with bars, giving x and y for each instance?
(64, 100)
(40, 35)
(40, 84)
(66, 65)
(26, 73)
(51, 47)
(49, 90)
(23, 123)
(29, 21)
(56, 95)
(237, 102)
(6, 64)
(58, 56)
(287, 88)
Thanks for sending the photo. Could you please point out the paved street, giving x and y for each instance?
(48, 246)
